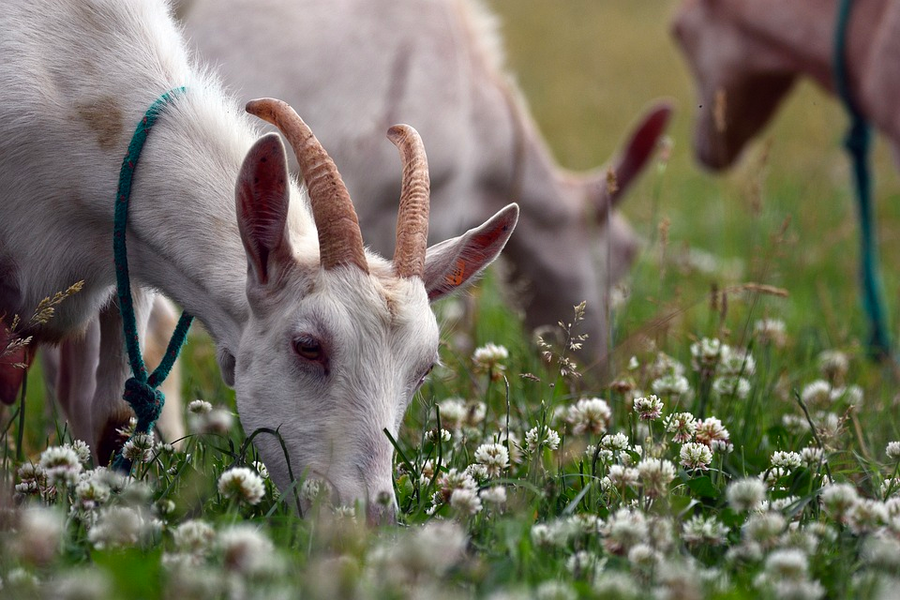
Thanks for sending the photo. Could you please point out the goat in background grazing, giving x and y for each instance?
(356, 66)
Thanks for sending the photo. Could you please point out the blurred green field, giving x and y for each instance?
(588, 68)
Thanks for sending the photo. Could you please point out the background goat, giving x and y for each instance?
(356, 66)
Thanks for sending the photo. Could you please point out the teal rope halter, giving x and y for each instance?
(858, 142)
(141, 391)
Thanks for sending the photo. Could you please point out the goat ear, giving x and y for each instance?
(634, 157)
(454, 263)
(262, 195)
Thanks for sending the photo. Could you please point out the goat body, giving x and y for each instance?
(326, 350)
(437, 65)
(746, 55)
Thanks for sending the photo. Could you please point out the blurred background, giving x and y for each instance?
(588, 68)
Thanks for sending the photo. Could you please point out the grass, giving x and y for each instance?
(583, 519)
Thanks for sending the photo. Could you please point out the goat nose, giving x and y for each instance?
(382, 509)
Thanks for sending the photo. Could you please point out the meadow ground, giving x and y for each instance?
(764, 468)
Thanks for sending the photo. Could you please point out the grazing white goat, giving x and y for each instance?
(322, 340)
(356, 66)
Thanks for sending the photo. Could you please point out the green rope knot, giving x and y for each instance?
(146, 402)
(140, 390)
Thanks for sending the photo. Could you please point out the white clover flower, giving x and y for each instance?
(622, 477)
(787, 460)
(242, 484)
(782, 504)
(665, 365)
(656, 475)
(83, 584)
(554, 590)
(431, 435)
(852, 395)
(261, 469)
(706, 353)
(633, 364)
(772, 475)
(771, 331)
(695, 456)
(585, 523)
(795, 423)
(834, 365)
(615, 441)
(838, 499)
(712, 433)
(764, 529)
(478, 472)
(704, 530)
(828, 425)
(82, 450)
(890, 487)
(582, 564)
(537, 437)
(91, 493)
(893, 451)
(616, 584)
(495, 495)
(672, 385)
(194, 537)
(465, 501)
(39, 536)
(882, 552)
(453, 413)
(489, 358)
(495, 458)
(122, 526)
(199, 407)
(648, 408)
(736, 362)
(746, 494)
(644, 558)
(817, 394)
(245, 549)
(791, 564)
(811, 457)
(31, 479)
(866, 516)
(589, 415)
(139, 448)
(490, 353)
(683, 425)
(61, 465)
(624, 529)
(731, 385)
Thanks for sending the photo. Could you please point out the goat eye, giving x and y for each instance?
(309, 348)
(425, 374)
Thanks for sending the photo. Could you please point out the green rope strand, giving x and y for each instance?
(858, 142)
(141, 391)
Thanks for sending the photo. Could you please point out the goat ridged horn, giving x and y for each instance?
(340, 240)
(412, 218)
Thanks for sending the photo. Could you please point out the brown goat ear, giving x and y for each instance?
(453, 264)
(635, 155)
(262, 195)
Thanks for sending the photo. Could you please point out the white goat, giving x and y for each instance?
(323, 341)
(356, 66)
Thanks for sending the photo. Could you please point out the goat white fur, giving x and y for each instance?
(244, 258)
